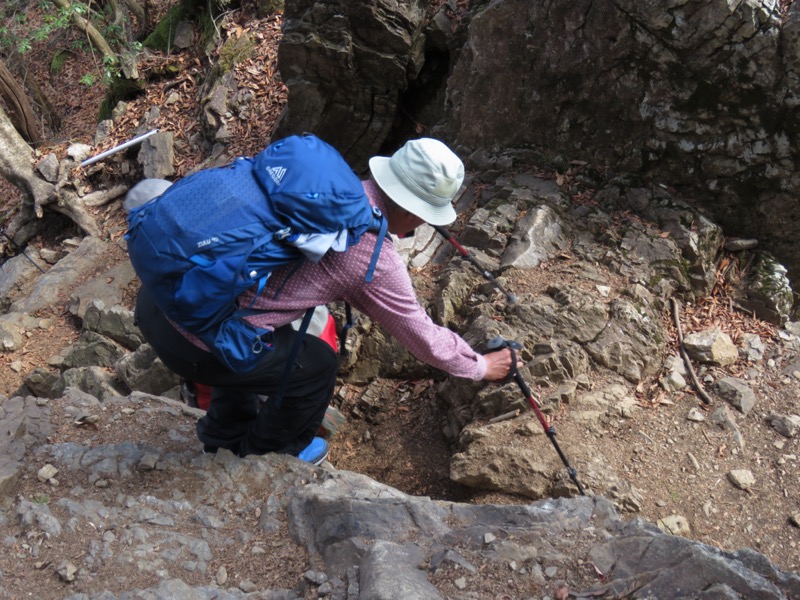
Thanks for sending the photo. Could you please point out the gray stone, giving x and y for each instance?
(629, 343)
(486, 231)
(51, 257)
(92, 349)
(66, 571)
(369, 75)
(10, 335)
(16, 277)
(712, 346)
(115, 322)
(43, 383)
(184, 34)
(528, 471)
(157, 155)
(38, 518)
(103, 131)
(48, 167)
(740, 244)
(787, 425)
(742, 478)
(753, 348)
(93, 380)
(407, 581)
(675, 525)
(108, 288)
(565, 312)
(143, 371)
(79, 152)
(723, 416)
(558, 361)
(51, 287)
(737, 393)
(766, 290)
(538, 236)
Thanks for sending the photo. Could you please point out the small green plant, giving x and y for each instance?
(58, 61)
(111, 69)
(41, 499)
(89, 79)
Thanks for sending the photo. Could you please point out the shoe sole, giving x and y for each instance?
(319, 461)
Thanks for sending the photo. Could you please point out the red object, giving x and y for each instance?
(329, 334)
(203, 396)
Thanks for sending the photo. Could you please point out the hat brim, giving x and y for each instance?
(383, 175)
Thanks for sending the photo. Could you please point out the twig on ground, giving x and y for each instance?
(685, 356)
(505, 416)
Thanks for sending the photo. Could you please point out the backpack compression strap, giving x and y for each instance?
(287, 371)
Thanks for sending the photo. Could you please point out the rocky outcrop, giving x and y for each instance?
(337, 534)
(688, 94)
(160, 507)
(695, 95)
(346, 66)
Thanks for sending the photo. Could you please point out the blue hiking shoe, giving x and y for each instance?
(316, 452)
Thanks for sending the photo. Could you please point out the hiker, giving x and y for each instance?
(415, 185)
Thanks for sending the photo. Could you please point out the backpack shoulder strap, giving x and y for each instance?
(382, 224)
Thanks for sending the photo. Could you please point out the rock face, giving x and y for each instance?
(700, 95)
(346, 65)
(687, 92)
(365, 540)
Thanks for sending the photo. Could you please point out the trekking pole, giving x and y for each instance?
(496, 343)
(510, 298)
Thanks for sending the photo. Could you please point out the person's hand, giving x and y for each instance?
(498, 364)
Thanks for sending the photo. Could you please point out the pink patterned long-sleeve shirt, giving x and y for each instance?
(389, 300)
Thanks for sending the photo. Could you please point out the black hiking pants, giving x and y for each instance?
(237, 419)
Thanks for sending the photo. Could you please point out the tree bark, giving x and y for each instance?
(16, 165)
(94, 36)
(138, 12)
(19, 106)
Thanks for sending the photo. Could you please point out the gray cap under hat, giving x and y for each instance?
(143, 192)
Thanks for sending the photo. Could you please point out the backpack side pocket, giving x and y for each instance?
(240, 344)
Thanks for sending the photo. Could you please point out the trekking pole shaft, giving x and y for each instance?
(548, 429)
(137, 140)
(510, 298)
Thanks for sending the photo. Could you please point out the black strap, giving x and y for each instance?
(348, 311)
(277, 398)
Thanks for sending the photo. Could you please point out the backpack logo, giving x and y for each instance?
(276, 174)
(207, 242)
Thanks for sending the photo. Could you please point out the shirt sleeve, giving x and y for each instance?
(390, 300)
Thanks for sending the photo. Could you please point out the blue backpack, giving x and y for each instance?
(220, 231)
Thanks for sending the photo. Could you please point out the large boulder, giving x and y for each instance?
(345, 65)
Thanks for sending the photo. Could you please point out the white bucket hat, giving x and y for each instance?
(422, 177)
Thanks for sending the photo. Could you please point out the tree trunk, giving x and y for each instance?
(16, 164)
(95, 36)
(52, 120)
(138, 12)
(19, 106)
